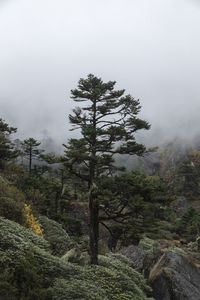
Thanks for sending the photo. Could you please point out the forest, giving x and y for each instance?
(86, 225)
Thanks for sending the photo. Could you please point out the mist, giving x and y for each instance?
(149, 47)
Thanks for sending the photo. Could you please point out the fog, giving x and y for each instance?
(150, 47)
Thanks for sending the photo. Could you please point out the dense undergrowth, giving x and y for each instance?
(30, 271)
(43, 266)
(55, 265)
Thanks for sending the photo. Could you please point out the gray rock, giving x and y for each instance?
(174, 277)
(136, 255)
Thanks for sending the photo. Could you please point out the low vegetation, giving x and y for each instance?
(30, 270)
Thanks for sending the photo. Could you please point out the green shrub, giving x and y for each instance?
(77, 289)
(57, 237)
(11, 201)
(23, 280)
(8, 190)
(10, 209)
(148, 245)
(129, 277)
(27, 269)
(17, 237)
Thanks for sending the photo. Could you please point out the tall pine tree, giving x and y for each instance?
(107, 120)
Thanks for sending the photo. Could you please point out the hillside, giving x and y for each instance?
(148, 226)
(30, 271)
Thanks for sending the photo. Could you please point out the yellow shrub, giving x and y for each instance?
(32, 224)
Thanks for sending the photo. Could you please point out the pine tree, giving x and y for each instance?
(190, 178)
(7, 151)
(131, 204)
(107, 120)
(31, 151)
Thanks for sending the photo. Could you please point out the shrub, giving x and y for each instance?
(11, 201)
(8, 190)
(15, 173)
(56, 236)
(77, 289)
(30, 221)
(124, 267)
(10, 209)
(17, 237)
(27, 269)
(23, 280)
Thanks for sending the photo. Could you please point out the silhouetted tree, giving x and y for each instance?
(7, 149)
(190, 178)
(108, 122)
(31, 151)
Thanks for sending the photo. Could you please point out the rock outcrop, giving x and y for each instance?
(136, 255)
(175, 277)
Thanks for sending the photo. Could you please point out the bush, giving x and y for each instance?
(56, 236)
(112, 279)
(77, 289)
(30, 221)
(27, 269)
(8, 190)
(15, 173)
(130, 282)
(10, 209)
(23, 280)
(11, 201)
(15, 237)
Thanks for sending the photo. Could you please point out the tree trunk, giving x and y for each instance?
(30, 161)
(94, 230)
(93, 205)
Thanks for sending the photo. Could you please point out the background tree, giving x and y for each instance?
(108, 121)
(189, 224)
(131, 204)
(31, 151)
(7, 149)
(190, 178)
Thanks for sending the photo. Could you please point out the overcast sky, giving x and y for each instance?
(150, 47)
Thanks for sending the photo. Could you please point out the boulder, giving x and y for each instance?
(175, 277)
(143, 256)
(136, 255)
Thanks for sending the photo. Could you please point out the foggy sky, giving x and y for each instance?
(150, 47)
